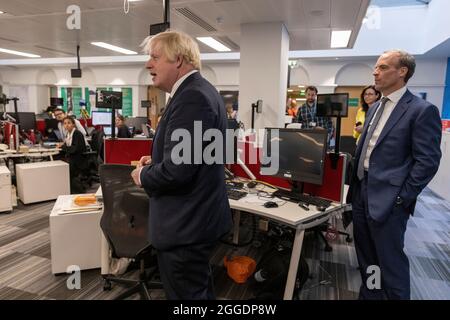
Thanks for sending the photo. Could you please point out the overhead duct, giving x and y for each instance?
(195, 19)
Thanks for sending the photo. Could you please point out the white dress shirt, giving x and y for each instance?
(394, 98)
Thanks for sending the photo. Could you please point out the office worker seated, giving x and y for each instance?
(60, 115)
(122, 129)
(73, 148)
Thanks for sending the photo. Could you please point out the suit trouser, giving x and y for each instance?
(380, 244)
(185, 272)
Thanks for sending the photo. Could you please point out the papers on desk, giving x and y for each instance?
(69, 207)
(254, 198)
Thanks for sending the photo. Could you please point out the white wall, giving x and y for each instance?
(325, 74)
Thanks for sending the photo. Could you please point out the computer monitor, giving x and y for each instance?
(108, 99)
(146, 104)
(51, 124)
(301, 155)
(26, 120)
(136, 122)
(56, 102)
(332, 105)
(101, 118)
(107, 131)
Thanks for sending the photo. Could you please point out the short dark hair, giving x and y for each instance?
(70, 119)
(405, 60)
(311, 88)
(364, 105)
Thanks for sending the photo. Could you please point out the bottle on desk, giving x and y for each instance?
(11, 142)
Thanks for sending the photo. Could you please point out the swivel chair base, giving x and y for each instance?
(143, 285)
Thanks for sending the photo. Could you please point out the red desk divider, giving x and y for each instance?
(40, 126)
(124, 151)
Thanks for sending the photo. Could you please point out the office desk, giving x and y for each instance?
(32, 153)
(291, 215)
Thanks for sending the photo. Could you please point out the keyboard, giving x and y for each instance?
(235, 194)
(297, 197)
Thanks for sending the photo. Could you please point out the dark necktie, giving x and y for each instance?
(370, 130)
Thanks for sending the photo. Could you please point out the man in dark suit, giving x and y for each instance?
(397, 155)
(189, 210)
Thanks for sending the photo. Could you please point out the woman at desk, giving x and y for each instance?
(122, 130)
(73, 148)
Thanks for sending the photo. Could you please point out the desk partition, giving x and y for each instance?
(124, 151)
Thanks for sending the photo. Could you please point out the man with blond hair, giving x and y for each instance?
(398, 153)
(189, 210)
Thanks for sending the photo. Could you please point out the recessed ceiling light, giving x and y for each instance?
(339, 39)
(18, 53)
(112, 47)
(213, 43)
(301, 86)
(2, 12)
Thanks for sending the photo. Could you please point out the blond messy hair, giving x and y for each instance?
(173, 44)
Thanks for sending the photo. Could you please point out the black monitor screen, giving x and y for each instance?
(101, 118)
(26, 120)
(332, 105)
(146, 103)
(56, 102)
(301, 154)
(108, 99)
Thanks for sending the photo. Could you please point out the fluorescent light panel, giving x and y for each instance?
(339, 39)
(18, 53)
(213, 43)
(112, 47)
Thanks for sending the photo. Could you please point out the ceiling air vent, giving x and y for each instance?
(188, 14)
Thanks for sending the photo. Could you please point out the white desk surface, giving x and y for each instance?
(33, 152)
(289, 213)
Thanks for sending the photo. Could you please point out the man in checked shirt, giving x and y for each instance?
(306, 114)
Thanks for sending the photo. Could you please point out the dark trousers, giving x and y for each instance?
(185, 272)
(380, 244)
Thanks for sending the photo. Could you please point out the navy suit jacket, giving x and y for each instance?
(405, 157)
(188, 202)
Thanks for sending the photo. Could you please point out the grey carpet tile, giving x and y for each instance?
(429, 289)
(27, 242)
(7, 293)
(326, 292)
(42, 251)
(29, 268)
(430, 268)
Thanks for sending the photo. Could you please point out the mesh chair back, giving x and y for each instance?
(125, 211)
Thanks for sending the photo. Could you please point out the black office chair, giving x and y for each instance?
(125, 225)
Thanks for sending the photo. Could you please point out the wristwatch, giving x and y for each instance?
(399, 201)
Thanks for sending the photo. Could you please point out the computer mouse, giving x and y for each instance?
(252, 184)
(270, 204)
(321, 208)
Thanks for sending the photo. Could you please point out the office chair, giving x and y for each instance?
(125, 225)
